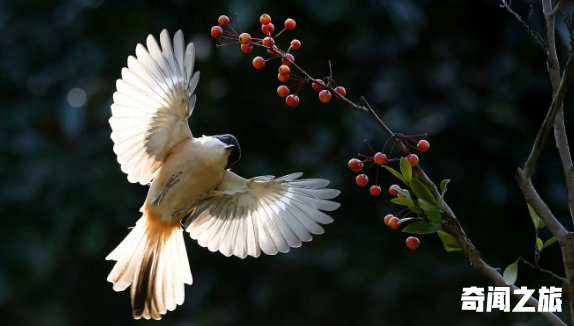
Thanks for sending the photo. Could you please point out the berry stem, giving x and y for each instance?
(275, 57)
(283, 30)
(238, 24)
(224, 44)
(229, 34)
(370, 166)
(366, 141)
(234, 31)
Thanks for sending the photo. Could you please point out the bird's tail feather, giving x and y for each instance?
(152, 258)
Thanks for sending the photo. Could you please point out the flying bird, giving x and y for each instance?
(190, 177)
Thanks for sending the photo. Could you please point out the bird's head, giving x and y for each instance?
(232, 148)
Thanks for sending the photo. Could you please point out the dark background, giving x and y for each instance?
(463, 71)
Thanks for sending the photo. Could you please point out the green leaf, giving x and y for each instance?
(539, 244)
(406, 169)
(422, 228)
(422, 192)
(451, 248)
(538, 223)
(404, 220)
(406, 202)
(448, 239)
(404, 193)
(443, 186)
(511, 273)
(395, 172)
(548, 242)
(431, 212)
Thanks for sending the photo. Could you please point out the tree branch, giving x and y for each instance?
(559, 128)
(450, 222)
(562, 235)
(548, 123)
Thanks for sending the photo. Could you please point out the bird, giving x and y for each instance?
(190, 178)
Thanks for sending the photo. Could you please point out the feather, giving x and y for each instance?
(262, 214)
(153, 101)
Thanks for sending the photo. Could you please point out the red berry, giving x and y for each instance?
(340, 90)
(355, 165)
(290, 57)
(265, 19)
(223, 20)
(423, 146)
(292, 100)
(267, 29)
(290, 23)
(282, 78)
(284, 70)
(362, 180)
(295, 44)
(413, 159)
(246, 48)
(413, 242)
(258, 62)
(318, 85)
(375, 190)
(401, 195)
(216, 31)
(268, 41)
(325, 96)
(388, 219)
(393, 190)
(244, 38)
(394, 222)
(283, 91)
(380, 158)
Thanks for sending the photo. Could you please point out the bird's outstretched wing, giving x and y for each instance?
(153, 101)
(246, 216)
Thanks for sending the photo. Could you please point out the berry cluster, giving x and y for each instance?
(326, 87)
(379, 159)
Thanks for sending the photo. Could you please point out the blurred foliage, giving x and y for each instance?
(463, 71)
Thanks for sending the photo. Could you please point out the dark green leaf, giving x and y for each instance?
(422, 192)
(549, 242)
(406, 202)
(538, 223)
(422, 228)
(511, 273)
(447, 238)
(406, 169)
(395, 172)
(539, 244)
(431, 212)
(443, 186)
(451, 248)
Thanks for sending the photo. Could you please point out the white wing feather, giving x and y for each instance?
(153, 101)
(246, 216)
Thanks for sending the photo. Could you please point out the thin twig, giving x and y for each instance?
(561, 279)
(537, 38)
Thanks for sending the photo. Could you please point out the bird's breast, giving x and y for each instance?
(197, 171)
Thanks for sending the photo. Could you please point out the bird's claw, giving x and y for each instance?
(172, 181)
